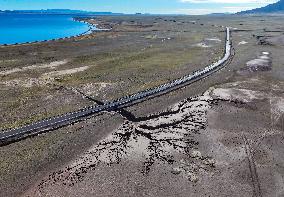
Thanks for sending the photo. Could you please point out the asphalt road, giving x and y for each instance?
(17, 134)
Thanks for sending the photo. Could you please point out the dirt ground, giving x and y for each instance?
(137, 54)
(222, 136)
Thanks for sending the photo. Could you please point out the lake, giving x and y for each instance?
(21, 28)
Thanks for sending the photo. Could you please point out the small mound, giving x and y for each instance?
(202, 45)
(262, 63)
(242, 42)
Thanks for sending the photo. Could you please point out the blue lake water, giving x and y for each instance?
(21, 28)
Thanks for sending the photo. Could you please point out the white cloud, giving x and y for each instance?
(231, 6)
(197, 11)
(230, 2)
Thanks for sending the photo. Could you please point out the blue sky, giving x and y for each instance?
(144, 6)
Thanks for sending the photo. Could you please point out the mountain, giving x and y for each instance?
(57, 11)
(219, 14)
(270, 9)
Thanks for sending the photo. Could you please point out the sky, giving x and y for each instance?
(192, 7)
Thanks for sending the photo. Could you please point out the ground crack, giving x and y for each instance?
(157, 138)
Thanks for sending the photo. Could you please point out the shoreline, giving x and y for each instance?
(92, 28)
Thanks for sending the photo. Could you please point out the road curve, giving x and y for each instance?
(17, 134)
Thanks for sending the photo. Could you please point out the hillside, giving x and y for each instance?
(272, 8)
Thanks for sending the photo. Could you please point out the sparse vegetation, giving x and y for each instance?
(135, 56)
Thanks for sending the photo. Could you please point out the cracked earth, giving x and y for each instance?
(184, 141)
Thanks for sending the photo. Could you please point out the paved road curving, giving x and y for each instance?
(16, 134)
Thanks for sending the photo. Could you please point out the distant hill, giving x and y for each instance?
(219, 14)
(58, 11)
(270, 9)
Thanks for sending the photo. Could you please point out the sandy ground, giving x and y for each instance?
(44, 79)
(51, 65)
(228, 136)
